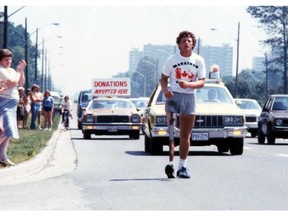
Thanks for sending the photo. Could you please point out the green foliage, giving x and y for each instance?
(16, 43)
(146, 73)
(274, 20)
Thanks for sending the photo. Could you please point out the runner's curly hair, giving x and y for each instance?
(186, 34)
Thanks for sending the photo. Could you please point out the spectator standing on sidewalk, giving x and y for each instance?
(9, 98)
(48, 107)
(36, 98)
(27, 108)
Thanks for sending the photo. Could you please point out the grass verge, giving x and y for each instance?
(30, 143)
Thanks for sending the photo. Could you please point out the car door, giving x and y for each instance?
(264, 117)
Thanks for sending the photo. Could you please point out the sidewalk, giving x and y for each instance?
(57, 158)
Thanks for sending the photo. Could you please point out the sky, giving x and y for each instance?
(96, 38)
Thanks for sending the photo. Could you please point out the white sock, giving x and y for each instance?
(182, 163)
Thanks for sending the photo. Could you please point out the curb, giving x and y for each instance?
(45, 160)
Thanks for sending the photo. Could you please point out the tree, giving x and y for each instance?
(16, 43)
(144, 79)
(274, 20)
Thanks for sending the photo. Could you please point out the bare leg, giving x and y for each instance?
(3, 147)
(186, 125)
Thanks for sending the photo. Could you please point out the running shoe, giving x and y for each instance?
(182, 173)
(169, 170)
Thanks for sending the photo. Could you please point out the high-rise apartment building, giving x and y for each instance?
(258, 64)
(134, 57)
(221, 56)
(158, 52)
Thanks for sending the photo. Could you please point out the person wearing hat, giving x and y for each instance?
(9, 98)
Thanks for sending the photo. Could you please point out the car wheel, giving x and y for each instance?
(261, 136)
(156, 147)
(147, 144)
(223, 148)
(253, 133)
(270, 135)
(236, 146)
(79, 125)
(135, 135)
(86, 135)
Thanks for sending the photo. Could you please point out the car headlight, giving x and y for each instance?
(279, 122)
(160, 120)
(89, 118)
(135, 118)
(233, 120)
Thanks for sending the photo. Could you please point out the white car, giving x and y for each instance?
(252, 111)
(140, 103)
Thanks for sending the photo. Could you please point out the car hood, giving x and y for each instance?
(217, 109)
(280, 113)
(251, 112)
(204, 109)
(110, 112)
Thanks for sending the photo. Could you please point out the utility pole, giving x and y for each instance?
(5, 25)
(198, 47)
(36, 55)
(26, 57)
(266, 68)
(237, 61)
(5, 28)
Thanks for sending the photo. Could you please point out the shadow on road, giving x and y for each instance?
(140, 179)
(267, 144)
(166, 153)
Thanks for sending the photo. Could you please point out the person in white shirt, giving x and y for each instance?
(186, 73)
(9, 98)
(66, 110)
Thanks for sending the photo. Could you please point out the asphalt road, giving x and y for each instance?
(114, 173)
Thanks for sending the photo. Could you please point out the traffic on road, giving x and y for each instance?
(115, 173)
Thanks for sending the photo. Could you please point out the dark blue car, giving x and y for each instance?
(84, 98)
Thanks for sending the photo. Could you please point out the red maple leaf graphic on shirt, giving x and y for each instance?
(184, 74)
(178, 73)
(191, 75)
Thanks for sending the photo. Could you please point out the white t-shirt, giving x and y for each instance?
(9, 74)
(67, 105)
(188, 69)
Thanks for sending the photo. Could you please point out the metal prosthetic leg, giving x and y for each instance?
(171, 137)
(169, 169)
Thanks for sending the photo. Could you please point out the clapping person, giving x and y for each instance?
(9, 97)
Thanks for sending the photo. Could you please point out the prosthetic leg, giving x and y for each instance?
(169, 169)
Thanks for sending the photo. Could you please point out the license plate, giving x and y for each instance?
(203, 136)
(112, 129)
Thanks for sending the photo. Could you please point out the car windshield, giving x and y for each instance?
(247, 104)
(213, 95)
(86, 96)
(280, 103)
(139, 103)
(111, 104)
(207, 94)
